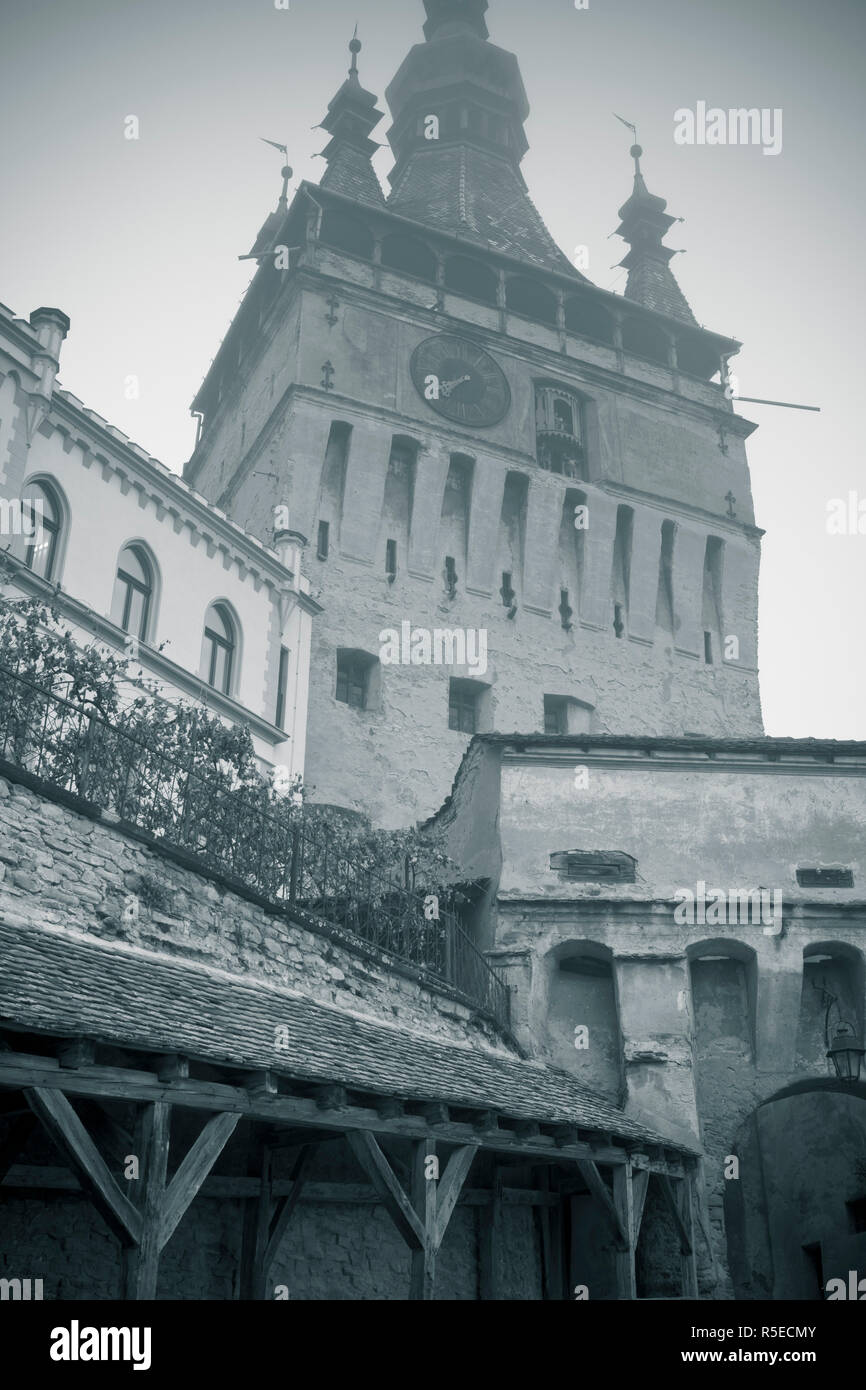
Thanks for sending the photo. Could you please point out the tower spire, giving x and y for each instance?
(352, 114)
(455, 15)
(459, 108)
(643, 224)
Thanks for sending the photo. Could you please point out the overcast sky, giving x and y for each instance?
(138, 240)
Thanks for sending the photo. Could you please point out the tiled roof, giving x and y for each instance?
(63, 982)
(351, 173)
(652, 284)
(466, 191)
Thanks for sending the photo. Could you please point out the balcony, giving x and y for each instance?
(558, 432)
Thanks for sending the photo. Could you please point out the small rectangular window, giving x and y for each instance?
(555, 715)
(463, 706)
(352, 675)
(708, 648)
(594, 866)
(391, 559)
(837, 877)
(282, 684)
(322, 544)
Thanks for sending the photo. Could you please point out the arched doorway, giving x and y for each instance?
(796, 1214)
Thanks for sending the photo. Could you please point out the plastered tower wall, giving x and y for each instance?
(652, 444)
(699, 1023)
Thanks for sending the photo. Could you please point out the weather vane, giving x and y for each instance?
(286, 170)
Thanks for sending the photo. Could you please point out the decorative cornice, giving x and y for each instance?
(112, 450)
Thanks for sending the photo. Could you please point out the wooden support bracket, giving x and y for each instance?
(596, 1184)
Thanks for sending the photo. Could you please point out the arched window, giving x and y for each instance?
(723, 981)
(410, 255)
(220, 645)
(588, 320)
(834, 974)
(347, 233)
(582, 1016)
(132, 601)
(471, 278)
(40, 520)
(645, 339)
(533, 300)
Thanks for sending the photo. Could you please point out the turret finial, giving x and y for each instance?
(354, 49)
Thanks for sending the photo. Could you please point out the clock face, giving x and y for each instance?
(460, 380)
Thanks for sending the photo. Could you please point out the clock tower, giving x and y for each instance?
(534, 490)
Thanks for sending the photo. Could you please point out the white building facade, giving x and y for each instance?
(137, 561)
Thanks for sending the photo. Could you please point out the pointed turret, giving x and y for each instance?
(270, 228)
(351, 116)
(459, 107)
(643, 224)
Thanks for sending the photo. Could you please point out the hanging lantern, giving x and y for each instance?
(846, 1052)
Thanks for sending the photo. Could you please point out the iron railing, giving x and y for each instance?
(282, 856)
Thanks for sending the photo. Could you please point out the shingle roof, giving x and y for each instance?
(478, 195)
(63, 982)
(652, 284)
(351, 173)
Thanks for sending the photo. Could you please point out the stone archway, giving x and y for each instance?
(796, 1214)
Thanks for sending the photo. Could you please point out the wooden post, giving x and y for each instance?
(640, 1184)
(550, 1223)
(257, 1221)
(423, 1278)
(141, 1262)
(679, 1200)
(623, 1199)
(491, 1241)
(423, 1221)
(689, 1266)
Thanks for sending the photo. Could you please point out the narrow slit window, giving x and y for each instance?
(322, 542)
(565, 610)
(391, 560)
(282, 686)
(450, 576)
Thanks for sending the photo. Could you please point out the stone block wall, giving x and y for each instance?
(60, 868)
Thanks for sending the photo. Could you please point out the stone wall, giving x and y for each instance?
(60, 868)
(331, 1251)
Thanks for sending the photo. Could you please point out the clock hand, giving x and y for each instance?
(446, 387)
